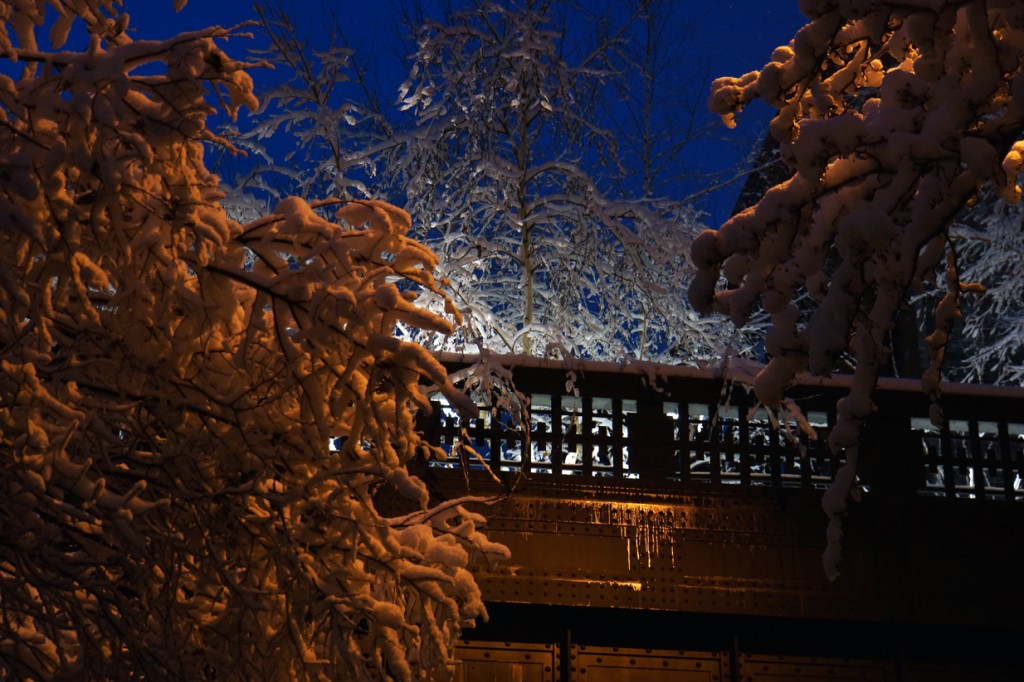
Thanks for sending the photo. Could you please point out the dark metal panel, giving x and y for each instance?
(744, 553)
(718, 554)
(923, 672)
(612, 664)
(506, 662)
(787, 668)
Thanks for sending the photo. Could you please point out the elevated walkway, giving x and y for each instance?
(663, 527)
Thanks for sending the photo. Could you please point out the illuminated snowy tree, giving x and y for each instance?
(196, 415)
(891, 116)
(499, 167)
(498, 153)
(990, 248)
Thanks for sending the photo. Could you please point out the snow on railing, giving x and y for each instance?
(682, 426)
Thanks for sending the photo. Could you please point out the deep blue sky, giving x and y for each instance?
(726, 38)
(738, 35)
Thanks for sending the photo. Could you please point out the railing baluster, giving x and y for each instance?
(540, 442)
(714, 449)
(617, 439)
(494, 418)
(685, 442)
(539, 438)
(1019, 456)
(512, 440)
(557, 449)
(744, 426)
(806, 461)
(586, 437)
(677, 458)
(977, 460)
(775, 459)
(833, 457)
(948, 467)
(1006, 461)
(787, 449)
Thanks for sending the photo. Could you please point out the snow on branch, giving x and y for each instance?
(891, 117)
(196, 415)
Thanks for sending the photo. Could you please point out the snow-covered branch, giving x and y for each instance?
(891, 117)
(197, 415)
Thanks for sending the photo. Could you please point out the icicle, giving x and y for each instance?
(648, 530)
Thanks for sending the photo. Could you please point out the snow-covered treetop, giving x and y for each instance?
(513, 175)
(892, 116)
(504, 148)
(324, 105)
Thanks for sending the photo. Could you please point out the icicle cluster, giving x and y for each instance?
(891, 116)
(195, 415)
(649, 531)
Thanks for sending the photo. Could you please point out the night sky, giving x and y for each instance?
(724, 38)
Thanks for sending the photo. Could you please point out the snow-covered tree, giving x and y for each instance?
(892, 116)
(497, 150)
(324, 105)
(501, 168)
(990, 247)
(195, 414)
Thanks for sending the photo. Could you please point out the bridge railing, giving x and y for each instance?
(670, 426)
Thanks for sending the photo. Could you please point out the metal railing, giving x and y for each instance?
(670, 426)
